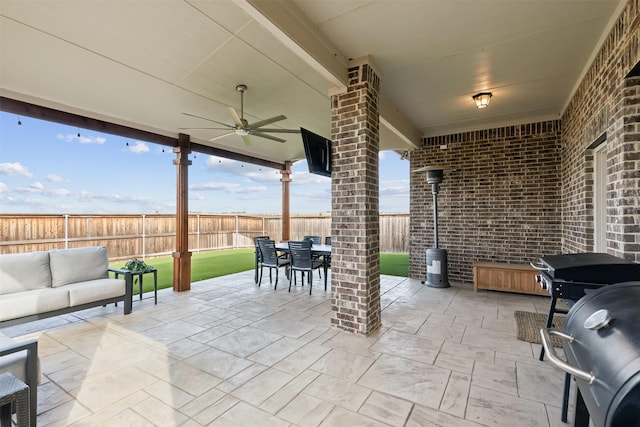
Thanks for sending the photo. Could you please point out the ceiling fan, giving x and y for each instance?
(241, 126)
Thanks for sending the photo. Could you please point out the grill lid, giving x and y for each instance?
(591, 267)
(610, 351)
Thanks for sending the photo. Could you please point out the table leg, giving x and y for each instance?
(324, 262)
(140, 276)
(155, 286)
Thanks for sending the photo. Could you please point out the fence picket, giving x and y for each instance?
(150, 235)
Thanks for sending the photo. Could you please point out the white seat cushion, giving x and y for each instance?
(21, 304)
(78, 265)
(24, 272)
(95, 290)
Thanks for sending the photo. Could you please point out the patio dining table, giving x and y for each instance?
(320, 250)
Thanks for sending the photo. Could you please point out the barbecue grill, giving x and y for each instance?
(601, 341)
(570, 276)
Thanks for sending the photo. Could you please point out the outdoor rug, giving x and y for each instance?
(529, 325)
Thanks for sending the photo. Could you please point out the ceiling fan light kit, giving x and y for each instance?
(241, 126)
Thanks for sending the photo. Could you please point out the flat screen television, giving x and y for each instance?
(318, 151)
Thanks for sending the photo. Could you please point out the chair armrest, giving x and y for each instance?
(31, 346)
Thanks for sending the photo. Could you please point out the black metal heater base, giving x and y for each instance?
(437, 273)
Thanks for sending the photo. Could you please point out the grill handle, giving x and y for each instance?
(556, 361)
(539, 267)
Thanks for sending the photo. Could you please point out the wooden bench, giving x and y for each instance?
(497, 276)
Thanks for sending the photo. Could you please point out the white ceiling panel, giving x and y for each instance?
(144, 63)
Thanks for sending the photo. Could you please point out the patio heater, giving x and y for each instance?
(437, 274)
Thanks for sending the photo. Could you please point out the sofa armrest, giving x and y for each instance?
(32, 371)
(128, 286)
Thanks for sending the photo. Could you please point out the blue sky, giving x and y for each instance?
(47, 168)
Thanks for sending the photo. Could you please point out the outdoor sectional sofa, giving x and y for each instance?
(36, 285)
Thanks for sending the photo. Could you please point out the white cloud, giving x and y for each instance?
(54, 178)
(14, 169)
(61, 192)
(37, 186)
(140, 147)
(229, 187)
(3, 187)
(253, 172)
(82, 139)
(306, 178)
(392, 188)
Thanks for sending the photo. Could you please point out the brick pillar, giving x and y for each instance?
(355, 227)
(623, 164)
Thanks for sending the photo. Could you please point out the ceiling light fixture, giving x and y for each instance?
(482, 99)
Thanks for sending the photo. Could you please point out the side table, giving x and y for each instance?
(13, 391)
(140, 274)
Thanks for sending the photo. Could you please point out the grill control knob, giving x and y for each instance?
(598, 320)
(543, 283)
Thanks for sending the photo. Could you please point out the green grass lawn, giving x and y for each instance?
(206, 265)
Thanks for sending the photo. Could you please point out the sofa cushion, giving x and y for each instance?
(23, 272)
(78, 265)
(95, 290)
(21, 304)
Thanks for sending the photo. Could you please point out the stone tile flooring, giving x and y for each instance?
(228, 353)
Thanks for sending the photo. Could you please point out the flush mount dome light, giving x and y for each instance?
(482, 99)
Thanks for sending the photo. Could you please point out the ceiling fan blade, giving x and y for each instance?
(246, 140)
(222, 136)
(209, 120)
(278, 130)
(205, 128)
(264, 135)
(235, 116)
(267, 121)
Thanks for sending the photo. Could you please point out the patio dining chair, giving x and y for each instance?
(270, 259)
(258, 255)
(316, 240)
(302, 261)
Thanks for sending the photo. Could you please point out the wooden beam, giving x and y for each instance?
(182, 256)
(26, 109)
(286, 216)
(205, 149)
(57, 116)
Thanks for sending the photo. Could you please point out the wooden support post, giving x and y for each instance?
(182, 256)
(286, 217)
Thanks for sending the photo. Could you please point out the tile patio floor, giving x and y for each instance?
(228, 353)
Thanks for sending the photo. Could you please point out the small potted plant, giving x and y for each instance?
(137, 265)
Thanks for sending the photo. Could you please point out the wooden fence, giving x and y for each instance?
(152, 235)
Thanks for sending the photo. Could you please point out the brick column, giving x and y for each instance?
(355, 227)
(623, 164)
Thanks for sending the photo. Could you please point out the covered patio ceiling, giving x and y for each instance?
(143, 64)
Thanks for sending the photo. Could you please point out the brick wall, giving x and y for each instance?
(500, 203)
(607, 102)
(355, 225)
